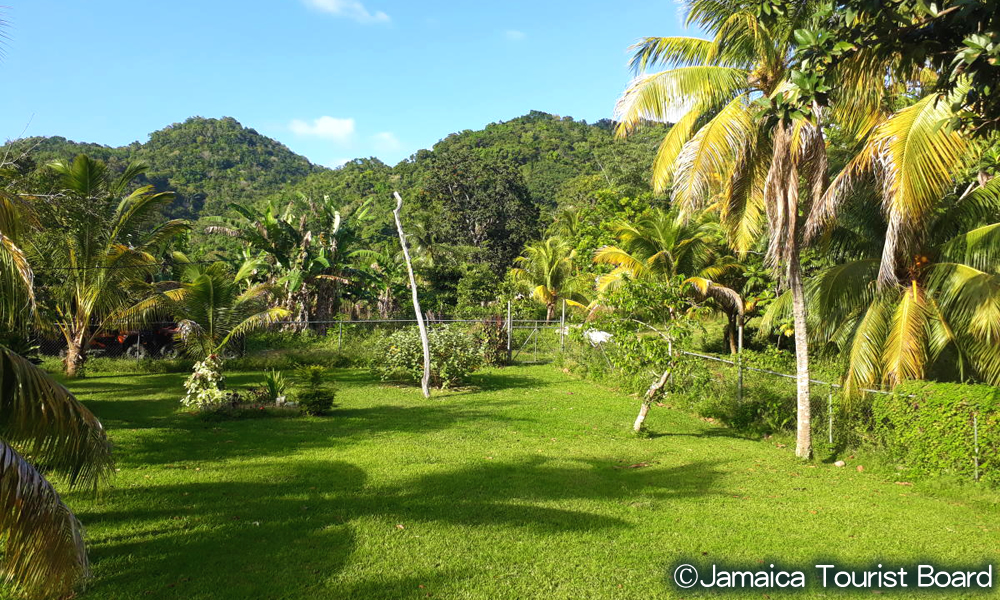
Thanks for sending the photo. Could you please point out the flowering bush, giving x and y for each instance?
(205, 387)
(454, 355)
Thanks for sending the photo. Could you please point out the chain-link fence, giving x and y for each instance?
(528, 340)
(750, 397)
(156, 340)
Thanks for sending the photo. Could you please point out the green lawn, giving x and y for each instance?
(515, 489)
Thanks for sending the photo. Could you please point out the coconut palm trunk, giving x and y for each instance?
(803, 427)
(794, 152)
(76, 353)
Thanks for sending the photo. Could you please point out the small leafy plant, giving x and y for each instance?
(315, 396)
(275, 387)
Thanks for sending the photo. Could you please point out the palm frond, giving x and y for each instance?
(671, 146)
(254, 323)
(841, 292)
(709, 154)
(728, 298)
(969, 299)
(43, 419)
(669, 52)
(17, 292)
(978, 248)
(916, 158)
(44, 555)
(661, 97)
(865, 358)
(742, 208)
(906, 349)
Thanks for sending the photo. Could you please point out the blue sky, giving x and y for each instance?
(332, 79)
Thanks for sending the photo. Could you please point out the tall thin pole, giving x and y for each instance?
(562, 328)
(739, 363)
(426, 380)
(829, 410)
(340, 337)
(510, 332)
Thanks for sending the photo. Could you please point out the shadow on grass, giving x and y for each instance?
(294, 527)
(708, 432)
(478, 383)
(188, 437)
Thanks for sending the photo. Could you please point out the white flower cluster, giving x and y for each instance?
(204, 386)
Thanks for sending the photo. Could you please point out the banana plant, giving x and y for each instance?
(307, 244)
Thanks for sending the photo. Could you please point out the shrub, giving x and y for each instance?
(455, 354)
(492, 337)
(205, 387)
(932, 433)
(315, 397)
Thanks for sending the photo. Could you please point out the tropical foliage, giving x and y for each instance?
(44, 431)
(98, 249)
(547, 272)
(802, 170)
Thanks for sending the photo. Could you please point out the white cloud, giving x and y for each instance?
(349, 9)
(330, 128)
(515, 35)
(339, 162)
(386, 142)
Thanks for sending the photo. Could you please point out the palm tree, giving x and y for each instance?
(924, 291)
(213, 308)
(103, 248)
(720, 153)
(725, 299)
(662, 244)
(547, 271)
(43, 429)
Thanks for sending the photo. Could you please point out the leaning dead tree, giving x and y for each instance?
(647, 400)
(654, 389)
(425, 381)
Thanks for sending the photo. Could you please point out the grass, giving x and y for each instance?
(518, 488)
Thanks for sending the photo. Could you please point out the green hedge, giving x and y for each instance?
(932, 432)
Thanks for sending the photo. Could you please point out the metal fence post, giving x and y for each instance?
(510, 332)
(340, 337)
(739, 365)
(562, 328)
(829, 410)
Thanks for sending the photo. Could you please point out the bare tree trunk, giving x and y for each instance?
(425, 381)
(803, 435)
(648, 400)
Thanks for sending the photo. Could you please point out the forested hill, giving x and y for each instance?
(207, 162)
(212, 162)
(549, 152)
